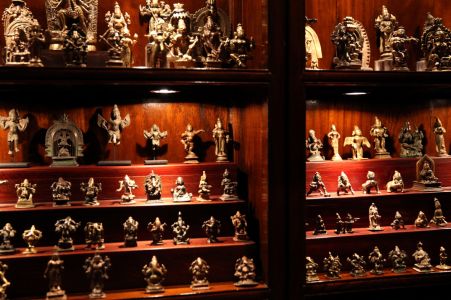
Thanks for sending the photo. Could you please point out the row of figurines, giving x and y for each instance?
(94, 233)
(154, 272)
(397, 258)
(411, 141)
(425, 181)
(61, 190)
(64, 140)
(175, 36)
(374, 218)
(353, 45)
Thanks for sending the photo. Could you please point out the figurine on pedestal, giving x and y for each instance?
(221, 137)
(411, 142)
(94, 236)
(75, 47)
(398, 260)
(334, 137)
(179, 193)
(435, 45)
(180, 231)
(154, 274)
(61, 192)
(212, 228)
(25, 192)
(380, 133)
(230, 187)
(426, 179)
(377, 260)
(422, 259)
(320, 227)
(439, 131)
(187, 140)
(155, 136)
(344, 185)
(349, 222)
(370, 183)
(421, 221)
(183, 45)
(7, 233)
(374, 218)
(314, 145)
(36, 41)
(156, 230)
(317, 184)
(332, 266)
(240, 225)
(131, 232)
(4, 283)
(443, 258)
(245, 271)
(31, 237)
(311, 270)
(396, 184)
(96, 269)
(128, 185)
(339, 224)
(400, 42)
(65, 227)
(398, 222)
(53, 272)
(211, 39)
(14, 124)
(199, 269)
(312, 46)
(357, 263)
(153, 188)
(438, 218)
(204, 188)
(385, 25)
(91, 190)
(239, 47)
(357, 141)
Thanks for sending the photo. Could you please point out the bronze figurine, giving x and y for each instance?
(179, 193)
(421, 221)
(156, 230)
(425, 177)
(239, 47)
(153, 188)
(398, 222)
(212, 228)
(314, 145)
(114, 125)
(349, 223)
(396, 184)
(443, 256)
(36, 43)
(411, 141)
(313, 51)
(204, 188)
(339, 224)
(422, 259)
(398, 260)
(221, 138)
(230, 187)
(53, 272)
(380, 133)
(320, 227)
(155, 136)
(65, 227)
(188, 138)
(128, 185)
(91, 190)
(96, 269)
(75, 47)
(438, 218)
(14, 124)
(357, 141)
(385, 25)
(374, 218)
(4, 283)
(131, 232)
(240, 225)
(31, 237)
(154, 274)
(435, 45)
(245, 271)
(7, 233)
(94, 236)
(344, 185)
(370, 183)
(332, 266)
(199, 269)
(61, 192)
(317, 185)
(358, 264)
(180, 231)
(334, 137)
(183, 44)
(311, 270)
(400, 43)
(439, 131)
(25, 191)
(377, 260)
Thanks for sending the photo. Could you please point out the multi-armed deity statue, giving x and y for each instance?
(380, 133)
(357, 141)
(154, 135)
(14, 124)
(385, 25)
(188, 140)
(436, 45)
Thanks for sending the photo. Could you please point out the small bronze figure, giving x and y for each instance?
(221, 137)
(334, 137)
(374, 218)
(61, 192)
(7, 233)
(370, 183)
(317, 185)
(187, 140)
(421, 221)
(438, 218)
(53, 272)
(25, 192)
(339, 224)
(385, 25)
(94, 236)
(14, 124)
(398, 222)
(239, 47)
(422, 260)
(411, 141)
(357, 141)
(312, 46)
(349, 222)
(380, 133)
(153, 188)
(36, 43)
(199, 269)
(183, 45)
(91, 190)
(128, 185)
(377, 261)
(320, 227)
(245, 271)
(204, 188)
(332, 266)
(179, 193)
(426, 179)
(155, 136)
(443, 266)
(65, 227)
(314, 146)
(156, 230)
(96, 269)
(75, 47)
(154, 274)
(311, 270)
(435, 44)
(240, 225)
(4, 283)
(358, 264)
(31, 237)
(398, 260)
(396, 184)
(131, 232)
(230, 187)
(344, 185)
(212, 228)
(439, 131)
(400, 43)
(180, 231)
(115, 125)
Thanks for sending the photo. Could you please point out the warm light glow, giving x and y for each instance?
(355, 93)
(164, 91)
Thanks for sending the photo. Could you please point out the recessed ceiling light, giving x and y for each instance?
(355, 93)
(164, 91)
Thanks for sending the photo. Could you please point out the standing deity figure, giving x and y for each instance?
(65, 227)
(332, 266)
(313, 51)
(230, 187)
(357, 141)
(357, 263)
(7, 233)
(380, 133)
(411, 142)
(221, 137)
(212, 228)
(61, 192)
(154, 274)
(245, 271)
(94, 236)
(204, 188)
(374, 218)
(155, 136)
(14, 124)
(396, 184)
(211, 35)
(115, 125)
(4, 283)
(96, 269)
(179, 193)
(31, 237)
(131, 232)
(128, 185)
(438, 218)
(36, 42)
(398, 260)
(153, 188)
(377, 260)
(422, 259)
(180, 231)
(240, 225)
(91, 190)
(156, 230)
(53, 272)
(443, 256)
(439, 131)
(187, 140)
(311, 269)
(344, 185)
(400, 43)
(75, 47)
(435, 45)
(385, 25)
(334, 137)
(239, 47)
(314, 146)
(25, 192)
(199, 269)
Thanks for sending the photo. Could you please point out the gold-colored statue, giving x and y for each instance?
(204, 188)
(425, 176)
(314, 146)
(396, 184)
(114, 125)
(374, 218)
(31, 237)
(128, 185)
(357, 141)
(422, 260)
(334, 137)
(183, 45)
(187, 140)
(221, 136)
(380, 133)
(15, 124)
(25, 192)
(443, 266)
(439, 131)
(385, 25)
(313, 51)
